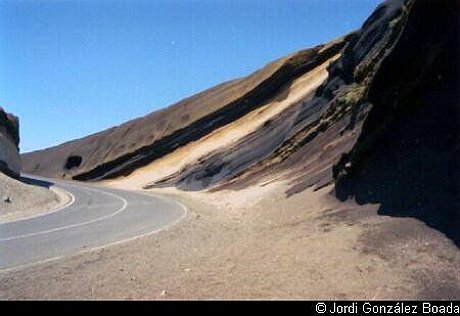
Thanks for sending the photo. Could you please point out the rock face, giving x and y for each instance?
(383, 126)
(407, 157)
(9, 144)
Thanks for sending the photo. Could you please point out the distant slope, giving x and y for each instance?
(120, 150)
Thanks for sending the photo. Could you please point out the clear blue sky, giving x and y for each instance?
(72, 68)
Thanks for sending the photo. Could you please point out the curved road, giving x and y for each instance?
(95, 217)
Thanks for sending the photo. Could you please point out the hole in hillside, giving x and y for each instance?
(73, 162)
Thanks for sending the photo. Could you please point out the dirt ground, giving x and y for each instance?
(261, 245)
(20, 200)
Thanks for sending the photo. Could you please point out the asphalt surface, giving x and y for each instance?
(96, 216)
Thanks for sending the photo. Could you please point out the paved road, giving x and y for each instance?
(96, 216)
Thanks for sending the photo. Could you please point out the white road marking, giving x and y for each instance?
(125, 204)
(60, 208)
(109, 244)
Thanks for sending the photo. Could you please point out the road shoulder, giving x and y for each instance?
(27, 201)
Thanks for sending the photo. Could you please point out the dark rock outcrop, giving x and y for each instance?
(9, 144)
(407, 156)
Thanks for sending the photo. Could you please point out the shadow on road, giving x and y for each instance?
(36, 182)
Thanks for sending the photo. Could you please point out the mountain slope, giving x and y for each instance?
(122, 149)
(304, 141)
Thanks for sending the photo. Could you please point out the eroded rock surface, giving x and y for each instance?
(9, 144)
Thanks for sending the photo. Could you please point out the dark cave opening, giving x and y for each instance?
(73, 162)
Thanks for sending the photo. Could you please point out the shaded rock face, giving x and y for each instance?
(407, 157)
(9, 144)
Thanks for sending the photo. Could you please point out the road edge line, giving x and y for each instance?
(53, 210)
(29, 265)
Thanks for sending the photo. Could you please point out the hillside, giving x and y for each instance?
(122, 149)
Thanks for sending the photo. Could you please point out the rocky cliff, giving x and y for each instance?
(9, 144)
(407, 157)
